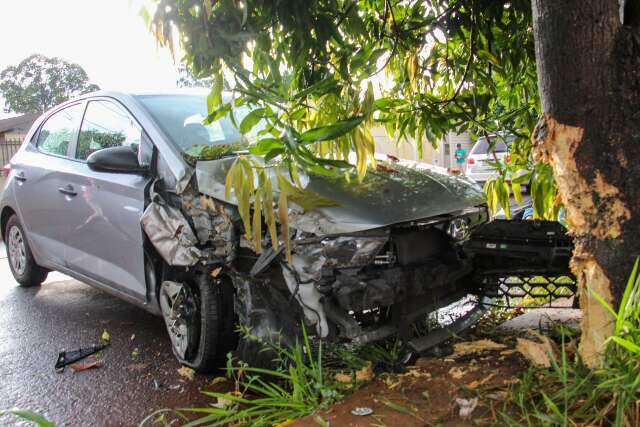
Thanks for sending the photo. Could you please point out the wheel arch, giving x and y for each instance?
(7, 212)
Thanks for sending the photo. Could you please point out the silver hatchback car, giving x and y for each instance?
(107, 190)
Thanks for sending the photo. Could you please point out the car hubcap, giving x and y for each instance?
(178, 307)
(17, 251)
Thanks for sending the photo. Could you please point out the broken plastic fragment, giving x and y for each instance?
(467, 406)
(362, 411)
(187, 372)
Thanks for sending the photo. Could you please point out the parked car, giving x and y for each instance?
(102, 190)
(483, 152)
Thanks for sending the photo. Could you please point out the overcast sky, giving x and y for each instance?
(107, 38)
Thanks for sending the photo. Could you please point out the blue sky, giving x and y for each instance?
(106, 37)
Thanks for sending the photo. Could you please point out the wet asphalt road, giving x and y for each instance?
(36, 323)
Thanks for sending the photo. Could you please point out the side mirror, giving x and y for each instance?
(121, 159)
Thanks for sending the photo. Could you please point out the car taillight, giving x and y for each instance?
(6, 170)
(471, 161)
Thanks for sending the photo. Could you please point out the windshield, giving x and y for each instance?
(482, 146)
(181, 116)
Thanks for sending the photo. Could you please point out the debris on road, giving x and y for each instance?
(78, 367)
(467, 406)
(362, 411)
(105, 337)
(135, 353)
(478, 346)
(187, 373)
(539, 352)
(137, 366)
(68, 357)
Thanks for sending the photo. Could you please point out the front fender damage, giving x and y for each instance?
(356, 285)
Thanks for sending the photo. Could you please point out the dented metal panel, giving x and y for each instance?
(170, 233)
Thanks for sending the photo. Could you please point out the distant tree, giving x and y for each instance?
(39, 83)
(186, 78)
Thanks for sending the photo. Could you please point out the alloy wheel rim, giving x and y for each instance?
(17, 251)
(175, 304)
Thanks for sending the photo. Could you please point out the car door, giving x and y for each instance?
(39, 172)
(105, 239)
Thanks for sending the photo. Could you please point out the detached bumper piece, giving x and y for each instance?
(515, 260)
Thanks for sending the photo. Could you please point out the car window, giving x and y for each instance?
(482, 146)
(107, 124)
(181, 118)
(59, 129)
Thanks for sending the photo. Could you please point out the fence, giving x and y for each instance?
(7, 150)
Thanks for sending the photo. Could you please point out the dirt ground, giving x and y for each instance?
(426, 393)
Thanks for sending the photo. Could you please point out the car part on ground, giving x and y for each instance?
(522, 258)
(68, 357)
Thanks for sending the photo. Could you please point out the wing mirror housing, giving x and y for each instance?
(121, 159)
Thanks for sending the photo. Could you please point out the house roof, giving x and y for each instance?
(19, 123)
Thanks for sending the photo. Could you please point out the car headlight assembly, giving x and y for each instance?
(345, 251)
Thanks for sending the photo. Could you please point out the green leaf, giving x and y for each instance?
(266, 145)
(214, 99)
(325, 133)
(35, 418)
(250, 120)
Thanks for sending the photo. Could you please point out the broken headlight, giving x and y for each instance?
(458, 229)
(344, 251)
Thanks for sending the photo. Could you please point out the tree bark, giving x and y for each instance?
(588, 59)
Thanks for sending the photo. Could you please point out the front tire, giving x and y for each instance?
(23, 266)
(195, 320)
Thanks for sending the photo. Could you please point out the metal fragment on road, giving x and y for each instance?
(362, 411)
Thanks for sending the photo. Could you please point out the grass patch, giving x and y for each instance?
(571, 394)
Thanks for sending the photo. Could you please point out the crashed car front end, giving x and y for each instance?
(386, 254)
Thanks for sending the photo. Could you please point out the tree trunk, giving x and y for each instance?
(588, 58)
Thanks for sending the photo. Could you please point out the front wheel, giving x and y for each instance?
(194, 316)
(23, 266)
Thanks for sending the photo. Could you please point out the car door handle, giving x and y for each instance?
(20, 176)
(67, 190)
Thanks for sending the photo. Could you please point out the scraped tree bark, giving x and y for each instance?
(588, 58)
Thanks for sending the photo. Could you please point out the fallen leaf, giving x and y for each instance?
(187, 373)
(399, 408)
(456, 372)
(478, 383)
(105, 337)
(77, 367)
(133, 337)
(425, 394)
(416, 373)
(467, 406)
(135, 353)
(321, 421)
(286, 423)
(469, 347)
(217, 380)
(498, 395)
(137, 366)
(365, 374)
(343, 378)
(216, 272)
(222, 403)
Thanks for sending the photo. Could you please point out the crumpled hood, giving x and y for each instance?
(394, 193)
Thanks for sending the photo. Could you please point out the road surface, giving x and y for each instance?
(36, 323)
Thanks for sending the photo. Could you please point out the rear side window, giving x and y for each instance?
(105, 125)
(482, 146)
(58, 131)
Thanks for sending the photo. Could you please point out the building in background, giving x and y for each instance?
(442, 156)
(12, 133)
(14, 129)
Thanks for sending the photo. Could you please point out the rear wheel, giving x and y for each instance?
(21, 261)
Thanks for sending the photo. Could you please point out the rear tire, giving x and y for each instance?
(23, 266)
